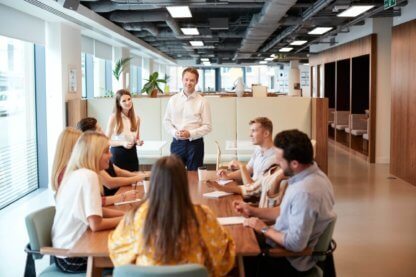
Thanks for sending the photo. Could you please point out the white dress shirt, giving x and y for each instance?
(190, 113)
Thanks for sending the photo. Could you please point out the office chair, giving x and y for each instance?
(184, 270)
(322, 252)
(39, 227)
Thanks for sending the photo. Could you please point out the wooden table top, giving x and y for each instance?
(95, 243)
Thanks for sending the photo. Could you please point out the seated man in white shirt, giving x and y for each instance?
(264, 156)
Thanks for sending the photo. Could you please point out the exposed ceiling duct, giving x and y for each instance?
(314, 9)
(262, 26)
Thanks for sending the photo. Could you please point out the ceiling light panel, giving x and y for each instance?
(262, 62)
(320, 30)
(205, 59)
(298, 42)
(286, 49)
(268, 59)
(354, 11)
(196, 43)
(179, 11)
(190, 31)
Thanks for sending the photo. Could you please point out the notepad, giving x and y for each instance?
(223, 182)
(216, 194)
(127, 202)
(231, 220)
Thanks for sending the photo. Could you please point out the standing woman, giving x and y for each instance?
(78, 200)
(123, 129)
(64, 146)
(168, 229)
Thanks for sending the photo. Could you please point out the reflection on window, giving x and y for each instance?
(134, 82)
(18, 155)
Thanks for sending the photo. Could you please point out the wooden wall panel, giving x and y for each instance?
(320, 131)
(403, 111)
(76, 110)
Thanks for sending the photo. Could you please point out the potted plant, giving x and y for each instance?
(120, 66)
(152, 85)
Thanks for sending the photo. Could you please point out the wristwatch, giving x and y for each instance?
(264, 229)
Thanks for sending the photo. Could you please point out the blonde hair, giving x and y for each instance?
(87, 153)
(66, 142)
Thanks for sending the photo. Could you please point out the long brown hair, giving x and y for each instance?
(117, 110)
(171, 215)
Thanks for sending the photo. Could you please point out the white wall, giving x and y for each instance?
(408, 13)
(63, 52)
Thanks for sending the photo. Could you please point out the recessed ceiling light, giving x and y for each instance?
(196, 43)
(298, 42)
(204, 59)
(206, 63)
(262, 62)
(190, 31)
(179, 11)
(354, 11)
(268, 59)
(272, 55)
(286, 49)
(320, 30)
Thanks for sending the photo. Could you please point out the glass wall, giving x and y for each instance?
(18, 152)
(228, 76)
(99, 77)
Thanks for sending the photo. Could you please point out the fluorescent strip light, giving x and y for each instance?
(179, 11)
(298, 42)
(272, 56)
(206, 63)
(262, 62)
(204, 60)
(196, 43)
(268, 59)
(354, 11)
(320, 30)
(190, 31)
(286, 49)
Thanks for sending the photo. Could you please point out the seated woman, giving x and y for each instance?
(271, 186)
(78, 200)
(113, 177)
(168, 229)
(64, 147)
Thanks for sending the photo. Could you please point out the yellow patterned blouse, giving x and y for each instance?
(126, 244)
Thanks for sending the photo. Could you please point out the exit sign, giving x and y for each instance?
(389, 3)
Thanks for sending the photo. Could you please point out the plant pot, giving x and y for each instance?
(154, 92)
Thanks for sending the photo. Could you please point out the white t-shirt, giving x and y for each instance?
(77, 198)
(126, 134)
(261, 160)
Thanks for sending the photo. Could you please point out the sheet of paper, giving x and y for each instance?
(216, 194)
(127, 202)
(223, 182)
(232, 220)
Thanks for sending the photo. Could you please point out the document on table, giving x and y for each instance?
(127, 202)
(232, 220)
(223, 182)
(216, 194)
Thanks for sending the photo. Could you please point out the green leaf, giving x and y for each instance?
(119, 67)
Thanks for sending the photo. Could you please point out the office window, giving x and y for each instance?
(18, 151)
(102, 77)
(145, 70)
(84, 78)
(209, 80)
(134, 80)
(229, 75)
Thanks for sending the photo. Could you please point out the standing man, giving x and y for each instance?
(188, 119)
(305, 212)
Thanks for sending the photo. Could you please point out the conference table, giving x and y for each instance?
(94, 244)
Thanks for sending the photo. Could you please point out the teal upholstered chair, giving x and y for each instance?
(322, 251)
(184, 270)
(39, 227)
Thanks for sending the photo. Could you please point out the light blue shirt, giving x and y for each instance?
(305, 212)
